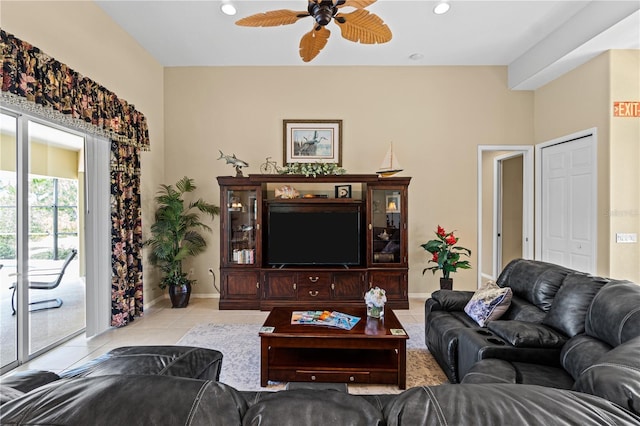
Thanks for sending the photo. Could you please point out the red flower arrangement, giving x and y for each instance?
(446, 254)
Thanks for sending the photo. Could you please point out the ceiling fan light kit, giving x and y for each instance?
(228, 8)
(360, 25)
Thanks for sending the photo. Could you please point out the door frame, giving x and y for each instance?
(23, 153)
(593, 132)
(527, 200)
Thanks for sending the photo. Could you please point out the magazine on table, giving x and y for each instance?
(331, 319)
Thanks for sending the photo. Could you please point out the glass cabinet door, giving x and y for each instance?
(242, 214)
(387, 223)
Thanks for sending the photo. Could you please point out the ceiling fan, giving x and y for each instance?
(360, 25)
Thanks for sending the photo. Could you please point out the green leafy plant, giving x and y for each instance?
(445, 254)
(175, 232)
(312, 169)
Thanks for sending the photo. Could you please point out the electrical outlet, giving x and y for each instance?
(210, 271)
(626, 238)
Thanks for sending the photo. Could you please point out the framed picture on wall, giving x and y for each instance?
(312, 141)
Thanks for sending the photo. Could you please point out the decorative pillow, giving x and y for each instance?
(488, 303)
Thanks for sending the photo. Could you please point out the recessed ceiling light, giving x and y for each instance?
(416, 56)
(228, 8)
(442, 7)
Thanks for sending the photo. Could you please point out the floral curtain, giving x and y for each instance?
(126, 234)
(35, 82)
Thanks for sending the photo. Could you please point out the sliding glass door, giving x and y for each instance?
(41, 245)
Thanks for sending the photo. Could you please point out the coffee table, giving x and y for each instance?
(373, 351)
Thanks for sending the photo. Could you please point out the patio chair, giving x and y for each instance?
(45, 279)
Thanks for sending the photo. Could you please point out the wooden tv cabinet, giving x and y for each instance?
(249, 282)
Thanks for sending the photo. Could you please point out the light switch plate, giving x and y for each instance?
(626, 238)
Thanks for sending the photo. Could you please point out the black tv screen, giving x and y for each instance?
(321, 235)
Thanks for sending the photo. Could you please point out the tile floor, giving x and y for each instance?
(162, 325)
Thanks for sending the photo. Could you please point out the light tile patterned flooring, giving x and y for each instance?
(162, 325)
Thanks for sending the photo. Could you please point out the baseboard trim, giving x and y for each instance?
(217, 296)
(205, 295)
(419, 295)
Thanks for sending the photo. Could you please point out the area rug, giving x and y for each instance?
(240, 347)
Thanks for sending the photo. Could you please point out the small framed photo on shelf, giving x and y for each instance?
(312, 141)
(393, 203)
(343, 191)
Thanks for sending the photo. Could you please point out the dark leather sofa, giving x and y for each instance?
(169, 400)
(557, 316)
(178, 385)
(534, 286)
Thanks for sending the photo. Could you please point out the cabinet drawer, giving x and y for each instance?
(314, 291)
(332, 376)
(319, 278)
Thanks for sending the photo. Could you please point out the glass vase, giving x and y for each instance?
(375, 311)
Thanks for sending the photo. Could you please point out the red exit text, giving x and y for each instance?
(626, 109)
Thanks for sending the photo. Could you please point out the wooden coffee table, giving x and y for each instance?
(368, 353)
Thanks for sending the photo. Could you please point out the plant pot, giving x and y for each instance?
(179, 295)
(375, 311)
(446, 283)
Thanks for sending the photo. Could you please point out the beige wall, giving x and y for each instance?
(81, 35)
(625, 165)
(512, 209)
(435, 116)
(583, 99)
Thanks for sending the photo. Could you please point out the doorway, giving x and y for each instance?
(488, 201)
(41, 250)
(508, 210)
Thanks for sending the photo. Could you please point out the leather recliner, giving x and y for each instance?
(534, 285)
(603, 358)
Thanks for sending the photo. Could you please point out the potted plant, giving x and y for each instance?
(176, 236)
(446, 256)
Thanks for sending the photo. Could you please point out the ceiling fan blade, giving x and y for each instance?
(363, 27)
(357, 4)
(272, 18)
(313, 42)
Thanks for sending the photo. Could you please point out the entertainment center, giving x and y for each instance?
(336, 237)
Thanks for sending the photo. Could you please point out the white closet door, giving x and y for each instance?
(568, 204)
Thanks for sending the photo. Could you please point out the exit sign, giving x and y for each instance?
(626, 109)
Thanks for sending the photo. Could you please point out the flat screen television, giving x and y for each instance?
(319, 234)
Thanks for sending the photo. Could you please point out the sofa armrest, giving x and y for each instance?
(480, 344)
(169, 360)
(523, 334)
(615, 376)
(452, 300)
(497, 404)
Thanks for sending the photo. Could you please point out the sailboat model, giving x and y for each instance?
(390, 165)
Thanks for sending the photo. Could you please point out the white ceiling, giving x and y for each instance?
(537, 40)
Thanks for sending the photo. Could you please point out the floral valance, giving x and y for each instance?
(36, 82)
